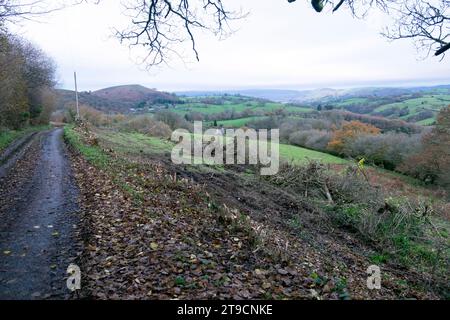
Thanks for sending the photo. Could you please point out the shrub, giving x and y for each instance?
(194, 116)
(93, 116)
(349, 132)
(399, 228)
(382, 123)
(432, 162)
(58, 116)
(159, 129)
(309, 180)
(299, 138)
(173, 120)
(146, 125)
(389, 150)
(312, 139)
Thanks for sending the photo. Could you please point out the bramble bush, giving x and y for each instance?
(400, 228)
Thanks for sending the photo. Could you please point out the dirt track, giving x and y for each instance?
(38, 211)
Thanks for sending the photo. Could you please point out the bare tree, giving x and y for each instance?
(426, 22)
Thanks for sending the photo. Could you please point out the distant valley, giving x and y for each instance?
(414, 104)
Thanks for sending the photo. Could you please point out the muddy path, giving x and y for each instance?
(14, 152)
(39, 218)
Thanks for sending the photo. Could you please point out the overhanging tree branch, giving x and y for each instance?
(11, 10)
(161, 26)
(425, 22)
(443, 49)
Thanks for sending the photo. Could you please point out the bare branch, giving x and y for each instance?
(162, 25)
(11, 10)
(427, 23)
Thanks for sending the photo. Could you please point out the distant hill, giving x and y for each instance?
(418, 105)
(135, 94)
(323, 95)
(268, 94)
(122, 99)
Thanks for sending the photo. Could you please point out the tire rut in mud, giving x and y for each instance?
(39, 214)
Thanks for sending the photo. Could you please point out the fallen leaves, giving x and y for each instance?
(200, 258)
(150, 236)
(282, 272)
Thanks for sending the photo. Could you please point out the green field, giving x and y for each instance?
(414, 106)
(301, 155)
(352, 101)
(130, 142)
(237, 123)
(427, 122)
(235, 105)
(408, 105)
(427, 102)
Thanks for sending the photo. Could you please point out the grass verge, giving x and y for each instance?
(92, 153)
(9, 136)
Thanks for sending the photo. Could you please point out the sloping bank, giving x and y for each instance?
(155, 232)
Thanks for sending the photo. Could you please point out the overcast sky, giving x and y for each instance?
(279, 45)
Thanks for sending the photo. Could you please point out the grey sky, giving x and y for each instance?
(279, 45)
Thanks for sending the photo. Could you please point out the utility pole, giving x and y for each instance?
(76, 95)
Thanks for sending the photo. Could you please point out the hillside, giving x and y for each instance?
(234, 235)
(415, 105)
(412, 104)
(117, 99)
(134, 94)
(323, 94)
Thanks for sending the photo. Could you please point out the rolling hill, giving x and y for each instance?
(413, 104)
(134, 94)
(122, 99)
(322, 95)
